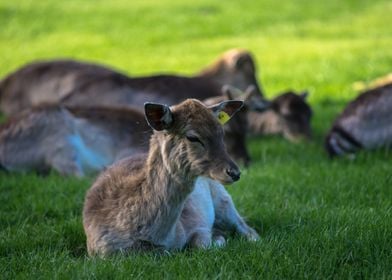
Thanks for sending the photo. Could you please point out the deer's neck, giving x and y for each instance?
(267, 122)
(168, 184)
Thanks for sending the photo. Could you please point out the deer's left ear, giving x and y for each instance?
(158, 116)
(226, 109)
(244, 61)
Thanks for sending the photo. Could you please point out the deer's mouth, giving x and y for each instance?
(226, 179)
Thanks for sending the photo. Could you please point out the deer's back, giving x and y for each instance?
(116, 90)
(368, 118)
(89, 138)
(28, 140)
(110, 227)
(85, 84)
(125, 127)
(44, 82)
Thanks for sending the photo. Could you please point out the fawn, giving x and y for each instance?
(138, 202)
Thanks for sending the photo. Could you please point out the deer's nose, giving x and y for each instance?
(234, 173)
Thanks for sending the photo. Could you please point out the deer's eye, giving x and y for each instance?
(194, 139)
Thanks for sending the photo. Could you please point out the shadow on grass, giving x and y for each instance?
(77, 250)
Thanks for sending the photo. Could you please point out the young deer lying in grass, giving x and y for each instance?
(83, 84)
(73, 141)
(139, 202)
(366, 123)
(288, 115)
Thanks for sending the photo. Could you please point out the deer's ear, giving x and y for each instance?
(304, 95)
(228, 91)
(243, 60)
(226, 109)
(254, 101)
(158, 116)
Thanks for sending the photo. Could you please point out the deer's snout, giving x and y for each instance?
(226, 173)
(234, 173)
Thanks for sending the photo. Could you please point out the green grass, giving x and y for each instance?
(317, 218)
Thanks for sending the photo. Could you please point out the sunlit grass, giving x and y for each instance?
(318, 218)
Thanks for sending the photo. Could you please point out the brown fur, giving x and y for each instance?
(139, 201)
(289, 115)
(84, 84)
(365, 123)
(45, 82)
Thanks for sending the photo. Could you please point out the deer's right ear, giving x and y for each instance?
(158, 116)
(244, 60)
(226, 109)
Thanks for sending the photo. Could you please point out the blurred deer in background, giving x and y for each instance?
(288, 115)
(84, 84)
(80, 140)
(365, 123)
(72, 141)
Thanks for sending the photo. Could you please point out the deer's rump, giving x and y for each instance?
(365, 123)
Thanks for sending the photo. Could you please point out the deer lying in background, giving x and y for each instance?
(366, 123)
(73, 141)
(83, 84)
(288, 115)
(76, 141)
(160, 199)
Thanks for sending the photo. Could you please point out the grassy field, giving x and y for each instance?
(318, 218)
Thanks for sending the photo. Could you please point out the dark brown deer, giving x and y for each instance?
(84, 84)
(159, 199)
(288, 115)
(366, 123)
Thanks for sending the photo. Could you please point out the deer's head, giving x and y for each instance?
(294, 115)
(236, 68)
(190, 136)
